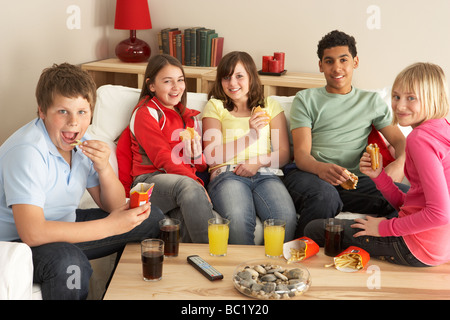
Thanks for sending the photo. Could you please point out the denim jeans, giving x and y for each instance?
(391, 249)
(182, 198)
(315, 198)
(63, 269)
(240, 199)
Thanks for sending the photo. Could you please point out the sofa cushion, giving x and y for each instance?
(112, 111)
(376, 137)
(197, 101)
(114, 105)
(125, 160)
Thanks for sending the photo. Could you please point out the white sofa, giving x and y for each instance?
(111, 115)
(16, 272)
(113, 111)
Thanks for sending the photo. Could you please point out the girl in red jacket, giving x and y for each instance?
(160, 156)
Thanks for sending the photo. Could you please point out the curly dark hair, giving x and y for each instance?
(335, 39)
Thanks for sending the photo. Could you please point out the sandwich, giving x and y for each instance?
(259, 109)
(351, 183)
(189, 134)
(374, 152)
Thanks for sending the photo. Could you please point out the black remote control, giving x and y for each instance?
(204, 267)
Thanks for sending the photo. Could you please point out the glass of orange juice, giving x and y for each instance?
(274, 237)
(218, 231)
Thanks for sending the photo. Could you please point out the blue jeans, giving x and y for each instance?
(391, 249)
(240, 199)
(63, 269)
(183, 198)
(315, 198)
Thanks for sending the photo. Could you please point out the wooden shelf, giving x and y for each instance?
(198, 79)
(114, 71)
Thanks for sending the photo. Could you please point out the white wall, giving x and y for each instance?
(390, 35)
(37, 33)
(409, 30)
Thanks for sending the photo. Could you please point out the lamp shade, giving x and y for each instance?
(132, 15)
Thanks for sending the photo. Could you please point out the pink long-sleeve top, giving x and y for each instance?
(424, 212)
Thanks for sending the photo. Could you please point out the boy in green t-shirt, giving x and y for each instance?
(330, 127)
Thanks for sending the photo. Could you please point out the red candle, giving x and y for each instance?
(265, 63)
(275, 66)
(280, 56)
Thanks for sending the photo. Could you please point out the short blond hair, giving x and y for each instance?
(428, 82)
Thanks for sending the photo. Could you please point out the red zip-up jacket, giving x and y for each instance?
(155, 140)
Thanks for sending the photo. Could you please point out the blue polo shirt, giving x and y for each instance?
(32, 171)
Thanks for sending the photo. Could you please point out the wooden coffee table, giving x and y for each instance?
(380, 280)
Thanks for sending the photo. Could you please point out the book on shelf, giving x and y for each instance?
(196, 46)
(205, 37)
(216, 51)
(209, 40)
(187, 47)
(173, 42)
(166, 44)
(180, 48)
(193, 52)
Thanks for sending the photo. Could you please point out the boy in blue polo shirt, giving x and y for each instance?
(43, 175)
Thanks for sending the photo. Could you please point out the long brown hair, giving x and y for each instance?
(155, 64)
(226, 68)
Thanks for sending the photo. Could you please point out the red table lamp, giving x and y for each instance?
(132, 15)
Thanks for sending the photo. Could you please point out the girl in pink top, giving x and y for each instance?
(420, 235)
(419, 100)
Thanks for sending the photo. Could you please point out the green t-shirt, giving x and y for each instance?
(340, 124)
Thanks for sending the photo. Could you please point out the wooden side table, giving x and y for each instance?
(380, 280)
(114, 71)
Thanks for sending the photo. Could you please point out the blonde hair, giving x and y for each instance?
(427, 81)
